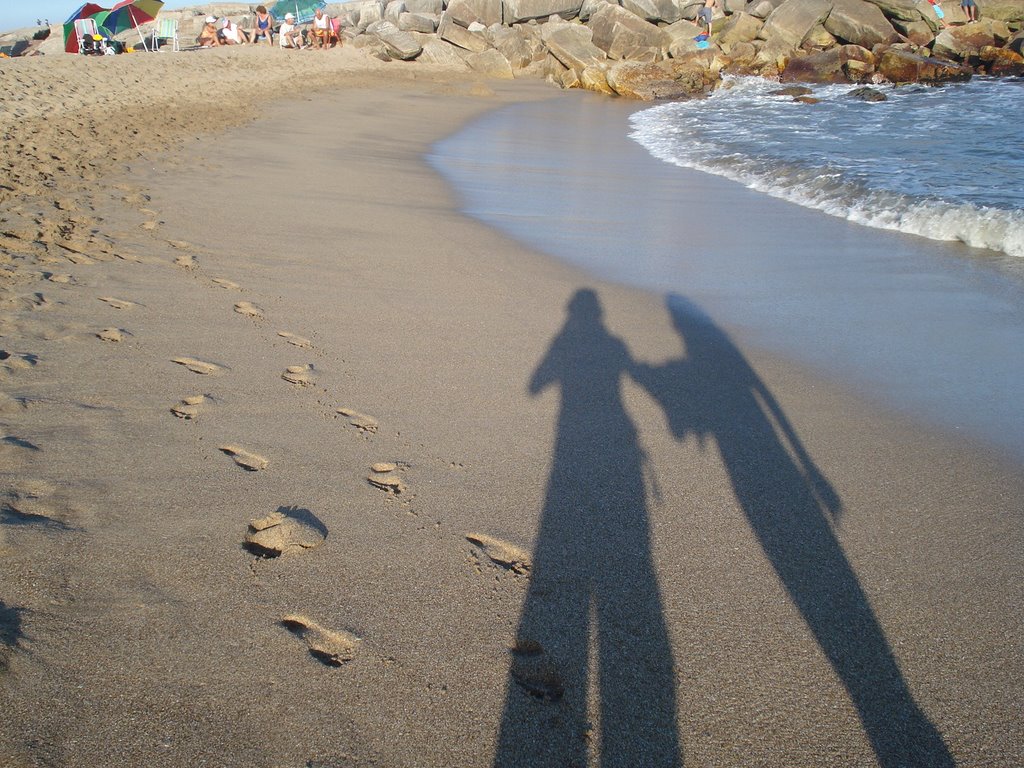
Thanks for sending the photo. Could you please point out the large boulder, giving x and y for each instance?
(616, 31)
(860, 23)
(593, 78)
(819, 39)
(918, 32)
(424, 6)
(1002, 61)
(740, 28)
(524, 10)
(791, 21)
(517, 47)
(393, 10)
(571, 44)
(762, 9)
(829, 66)
(1002, 10)
(399, 44)
(417, 22)
(368, 14)
(644, 82)
(961, 43)
(437, 51)
(681, 38)
(907, 10)
(654, 10)
(898, 67)
(589, 6)
(490, 63)
(465, 12)
(456, 34)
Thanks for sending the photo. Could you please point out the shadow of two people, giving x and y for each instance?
(594, 583)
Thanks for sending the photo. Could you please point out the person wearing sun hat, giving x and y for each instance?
(289, 35)
(208, 34)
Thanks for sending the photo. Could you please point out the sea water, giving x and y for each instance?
(944, 163)
(742, 204)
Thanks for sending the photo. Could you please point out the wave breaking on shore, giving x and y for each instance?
(848, 159)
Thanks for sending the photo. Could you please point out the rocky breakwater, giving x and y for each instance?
(646, 49)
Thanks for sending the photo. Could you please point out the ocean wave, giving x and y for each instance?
(752, 138)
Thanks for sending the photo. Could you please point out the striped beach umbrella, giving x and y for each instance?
(84, 11)
(128, 14)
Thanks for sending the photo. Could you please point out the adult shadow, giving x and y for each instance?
(11, 632)
(593, 583)
(790, 506)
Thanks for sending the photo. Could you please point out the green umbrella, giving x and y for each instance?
(303, 9)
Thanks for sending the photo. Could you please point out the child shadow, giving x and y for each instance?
(593, 591)
(790, 506)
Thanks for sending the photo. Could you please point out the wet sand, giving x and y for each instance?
(680, 550)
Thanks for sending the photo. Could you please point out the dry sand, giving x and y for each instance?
(516, 527)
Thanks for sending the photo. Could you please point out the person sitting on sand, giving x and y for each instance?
(289, 35)
(263, 28)
(321, 33)
(970, 10)
(208, 34)
(230, 33)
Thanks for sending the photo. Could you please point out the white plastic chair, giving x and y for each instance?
(166, 30)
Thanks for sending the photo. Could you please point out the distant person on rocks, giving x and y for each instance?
(289, 35)
(208, 34)
(263, 26)
(321, 32)
(939, 13)
(704, 14)
(970, 10)
(231, 34)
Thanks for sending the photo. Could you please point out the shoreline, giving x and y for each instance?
(148, 634)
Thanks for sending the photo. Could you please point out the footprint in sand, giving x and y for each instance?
(117, 303)
(294, 340)
(250, 462)
(535, 672)
(249, 310)
(329, 646)
(189, 408)
(287, 531)
(185, 261)
(198, 366)
(149, 226)
(225, 283)
(181, 245)
(383, 476)
(300, 375)
(34, 502)
(55, 278)
(112, 335)
(501, 553)
(17, 361)
(360, 421)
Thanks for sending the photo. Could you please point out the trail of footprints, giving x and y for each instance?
(293, 531)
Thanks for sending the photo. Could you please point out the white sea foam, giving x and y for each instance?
(908, 164)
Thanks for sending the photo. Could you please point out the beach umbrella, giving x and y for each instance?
(84, 12)
(128, 14)
(303, 9)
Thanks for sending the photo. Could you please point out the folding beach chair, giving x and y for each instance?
(166, 31)
(89, 39)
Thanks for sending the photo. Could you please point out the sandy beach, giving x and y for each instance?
(524, 517)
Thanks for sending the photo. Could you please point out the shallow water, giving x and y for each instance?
(943, 163)
(930, 328)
